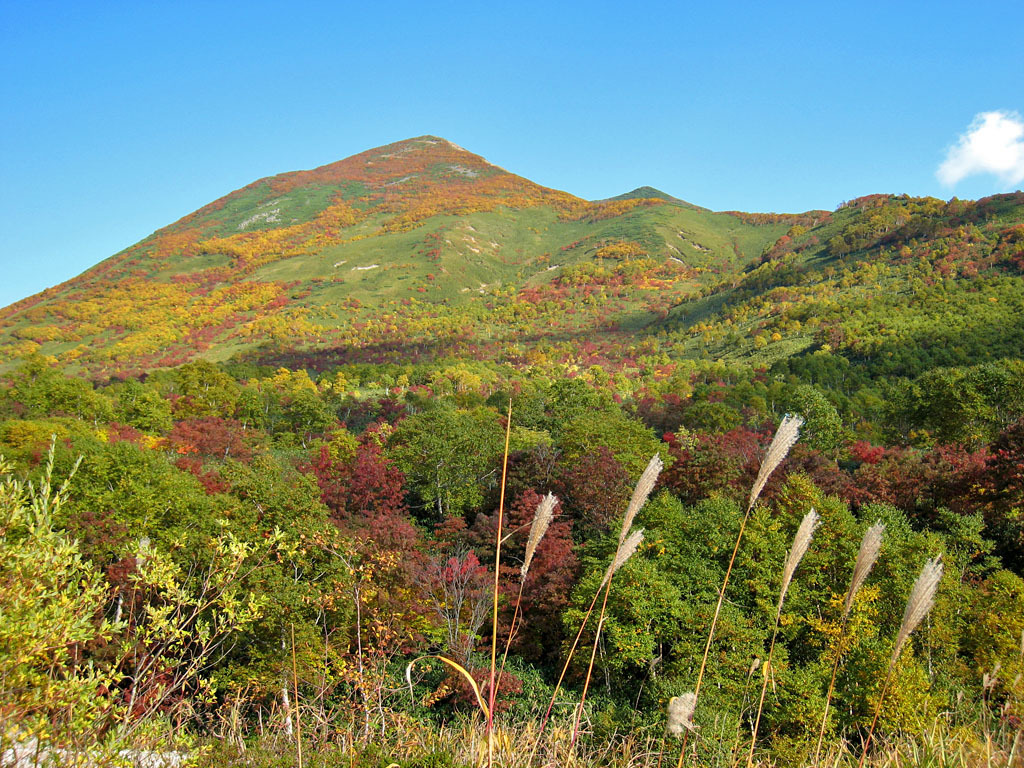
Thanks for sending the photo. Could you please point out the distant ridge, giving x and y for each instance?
(652, 193)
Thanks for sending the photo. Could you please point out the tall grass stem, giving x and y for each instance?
(801, 542)
(539, 526)
(785, 437)
(867, 555)
(492, 693)
(298, 714)
(625, 550)
(921, 599)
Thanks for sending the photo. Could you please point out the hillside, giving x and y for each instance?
(421, 250)
(893, 283)
(419, 241)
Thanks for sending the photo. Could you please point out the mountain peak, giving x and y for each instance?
(396, 163)
(433, 146)
(651, 193)
(416, 173)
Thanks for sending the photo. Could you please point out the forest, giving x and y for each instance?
(252, 565)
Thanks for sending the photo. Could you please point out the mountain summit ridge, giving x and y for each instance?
(377, 170)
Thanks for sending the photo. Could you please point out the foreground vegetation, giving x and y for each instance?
(244, 562)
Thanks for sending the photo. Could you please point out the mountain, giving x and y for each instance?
(421, 250)
(416, 243)
(650, 193)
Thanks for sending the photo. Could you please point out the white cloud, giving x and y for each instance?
(993, 143)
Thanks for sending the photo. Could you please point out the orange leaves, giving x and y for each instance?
(605, 209)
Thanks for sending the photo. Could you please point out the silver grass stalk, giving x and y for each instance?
(541, 520)
(870, 546)
(801, 541)
(680, 713)
(643, 489)
(785, 437)
(623, 553)
(988, 681)
(922, 597)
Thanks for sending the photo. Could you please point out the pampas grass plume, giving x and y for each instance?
(870, 546)
(801, 541)
(680, 713)
(624, 552)
(643, 489)
(541, 520)
(785, 437)
(922, 597)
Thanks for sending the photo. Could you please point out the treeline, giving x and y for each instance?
(242, 545)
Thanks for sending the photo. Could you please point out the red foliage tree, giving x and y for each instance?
(662, 415)
(210, 479)
(715, 464)
(918, 482)
(1001, 484)
(549, 582)
(459, 591)
(594, 489)
(822, 471)
(210, 436)
(117, 432)
(365, 494)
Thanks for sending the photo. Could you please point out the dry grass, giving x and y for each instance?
(413, 744)
(870, 546)
(625, 551)
(922, 597)
(867, 555)
(785, 438)
(627, 546)
(541, 521)
(680, 714)
(641, 492)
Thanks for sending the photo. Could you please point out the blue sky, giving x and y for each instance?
(119, 118)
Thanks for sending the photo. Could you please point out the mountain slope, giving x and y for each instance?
(417, 241)
(894, 284)
(421, 250)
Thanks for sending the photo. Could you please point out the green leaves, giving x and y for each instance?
(447, 457)
(51, 603)
(969, 405)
